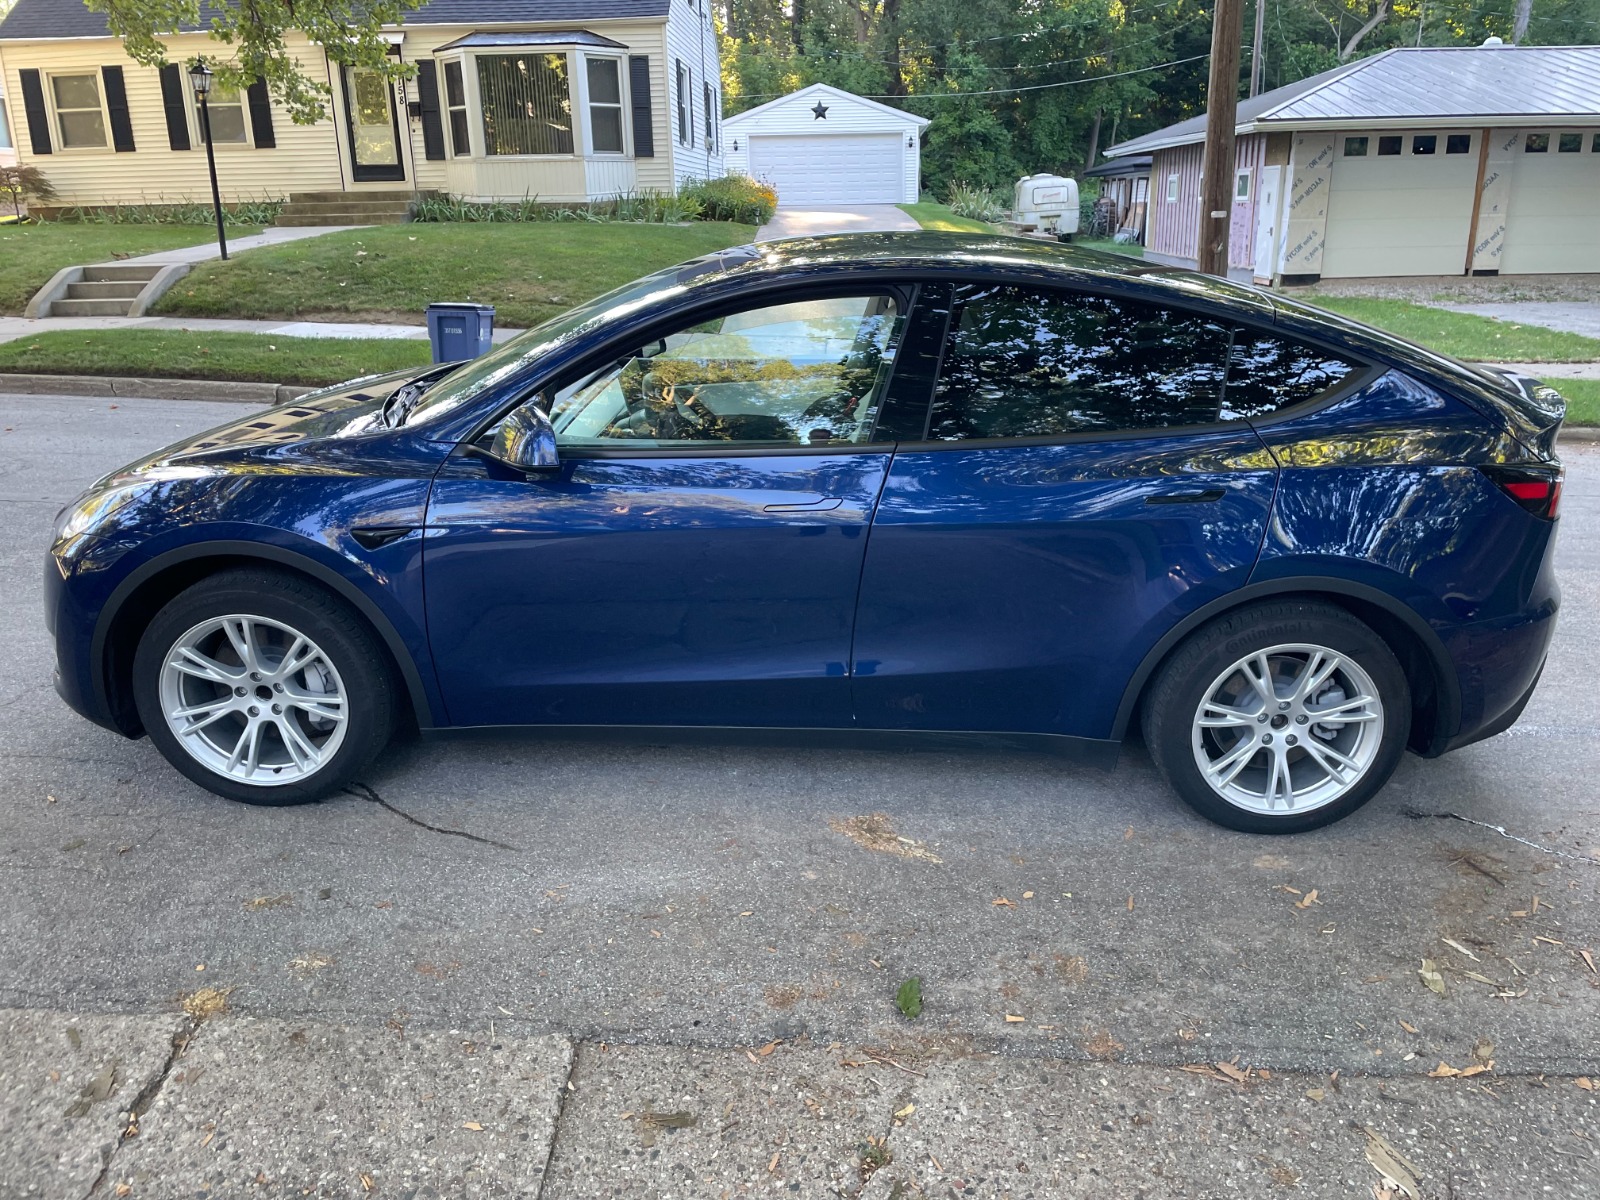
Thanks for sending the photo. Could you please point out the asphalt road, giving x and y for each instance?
(713, 898)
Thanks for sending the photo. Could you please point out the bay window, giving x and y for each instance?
(527, 103)
(604, 78)
(455, 105)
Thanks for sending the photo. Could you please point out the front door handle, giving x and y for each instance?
(826, 504)
(1198, 496)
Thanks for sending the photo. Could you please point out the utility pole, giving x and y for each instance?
(1258, 75)
(1222, 108)
(1519, 25)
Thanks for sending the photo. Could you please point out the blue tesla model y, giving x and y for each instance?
(883, 487)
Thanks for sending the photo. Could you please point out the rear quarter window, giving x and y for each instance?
(1268, 374)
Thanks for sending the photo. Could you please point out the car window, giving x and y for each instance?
(1269, 373)
(1023, 362)
(809, 372)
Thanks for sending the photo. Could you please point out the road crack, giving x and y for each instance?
(1416, 814)
(145, 1099)
(364, 792)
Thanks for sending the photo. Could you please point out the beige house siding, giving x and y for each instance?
(317, 157)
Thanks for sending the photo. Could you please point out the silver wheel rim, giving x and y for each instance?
(1288, 729)
(253, 700)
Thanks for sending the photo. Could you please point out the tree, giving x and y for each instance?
(255, 32)
(25, 183)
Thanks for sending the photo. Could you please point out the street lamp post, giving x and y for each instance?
(200, 79)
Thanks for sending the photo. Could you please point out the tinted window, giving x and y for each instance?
(1269, 373)
(1025, 363)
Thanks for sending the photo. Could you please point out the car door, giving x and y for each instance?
(694, 560)
(1075, 495)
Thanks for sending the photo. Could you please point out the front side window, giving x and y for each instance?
(79, 117)
(226, 108)
(1268, 373)
(605, 105)
(455, 104)
(527, 103)
(806, 373)
(1027, 363)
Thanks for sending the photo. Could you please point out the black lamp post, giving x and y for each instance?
(200, 78)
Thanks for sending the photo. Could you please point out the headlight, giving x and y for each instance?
(89, 511)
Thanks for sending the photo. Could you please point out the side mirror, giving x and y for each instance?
(526, 440)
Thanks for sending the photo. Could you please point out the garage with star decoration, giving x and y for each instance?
(823, 145)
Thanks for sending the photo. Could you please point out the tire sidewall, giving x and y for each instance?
(1185, 681)
(306, 608)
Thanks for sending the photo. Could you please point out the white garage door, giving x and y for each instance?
(1553, 218)
(1400, 204)
(834, 168)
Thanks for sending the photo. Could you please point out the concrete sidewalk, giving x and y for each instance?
(15, 328)
(206, 251)
(156, 1106)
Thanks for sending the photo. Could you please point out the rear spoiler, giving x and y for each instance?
(1537, 408)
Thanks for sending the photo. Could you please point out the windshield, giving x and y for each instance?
(510, 358)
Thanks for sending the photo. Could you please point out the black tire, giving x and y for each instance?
(1172, 705)
(347, 641)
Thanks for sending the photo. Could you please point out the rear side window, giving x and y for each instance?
(1270, 373)
(1023, 362)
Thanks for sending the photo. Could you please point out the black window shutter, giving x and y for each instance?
(117, 109)
(260, 115)
(644, 121)
(172, 99)
(432, 124)
(33, 106)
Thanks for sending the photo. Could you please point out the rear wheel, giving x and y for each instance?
(1280, 717)
(263, 687)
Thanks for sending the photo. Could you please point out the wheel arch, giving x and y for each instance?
(1435, 689)
(137, 599)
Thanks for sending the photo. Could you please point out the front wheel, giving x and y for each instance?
(262, 687)
(1279, 718)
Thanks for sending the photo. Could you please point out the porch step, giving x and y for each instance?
(402, 194)
(387, 207)
(128, 290)
(90, 308)
(342, 217)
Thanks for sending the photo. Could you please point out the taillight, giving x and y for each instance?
(1535, 488)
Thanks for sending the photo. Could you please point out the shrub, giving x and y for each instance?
(25, 183)
(732, 198)
(976, 203)
(189, 212)
(655, 208)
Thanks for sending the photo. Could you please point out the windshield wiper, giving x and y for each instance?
(404, 398)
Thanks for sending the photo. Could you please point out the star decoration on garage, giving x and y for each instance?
(820, 112)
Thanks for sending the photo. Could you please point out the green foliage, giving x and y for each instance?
(253, 35)
(908, 998)
(649, 207)
(732, 198)
(976, 203)
(243, 212)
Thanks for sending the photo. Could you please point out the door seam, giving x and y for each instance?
(861, 575)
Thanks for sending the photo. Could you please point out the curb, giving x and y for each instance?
(153, 389)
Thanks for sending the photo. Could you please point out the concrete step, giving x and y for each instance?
(118, 273)
(401, 194)
(128, 290)
(90, 308)
(376, 208)
(344, 218)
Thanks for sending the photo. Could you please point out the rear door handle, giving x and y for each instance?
(826, 504)
(1199, 496)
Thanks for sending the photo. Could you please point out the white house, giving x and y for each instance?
(824, 145)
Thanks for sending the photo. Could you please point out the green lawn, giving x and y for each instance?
(166, 354)
(1107, 246)
(1583, 399)
(529, 272)
(31, 254)
(1474, 338)
(938, 216)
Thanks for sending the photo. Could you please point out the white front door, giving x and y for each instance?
(831, 168)
(1553, 217)
(1269, 216)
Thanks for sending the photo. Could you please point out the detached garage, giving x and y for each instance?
(1476, 160)
(823, 145)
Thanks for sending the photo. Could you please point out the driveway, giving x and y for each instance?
(562, 968)
(836, 218)
(1569, 317)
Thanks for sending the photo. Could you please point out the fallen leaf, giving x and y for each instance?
(1585, 1083)
(1316, 1094)
(1392, 1165)
(1431, 978)
(1130, 901)
(1308, 899)
(1027, 895)
(902, 1114)
(366, 1182)
(1443, 1071)
(752, 1058)
(1232, 1072)
(1003, 903)
(1483, 1050)
(1408, 1026)
(873, 832)
(1588, 960)
(206, 1002)
(773, 1165)
(1548, 940)
(1455, 945)
(766, 1051)
(1013, 1019)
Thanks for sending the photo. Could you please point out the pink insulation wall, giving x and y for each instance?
(1175, 225)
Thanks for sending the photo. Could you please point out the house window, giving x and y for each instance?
(1537, 143)
(1390, 144)
(685, 106)
(5, 126)
(1569, 143)
(227, 116)
(711, 119)
(1241, 187)
(79, 117)
(605, 105)
(455, 105)
(1458, 143)
(527, 103)
(1425, 143)
(1172, 189)
(1355, 147)
(1594, 147)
